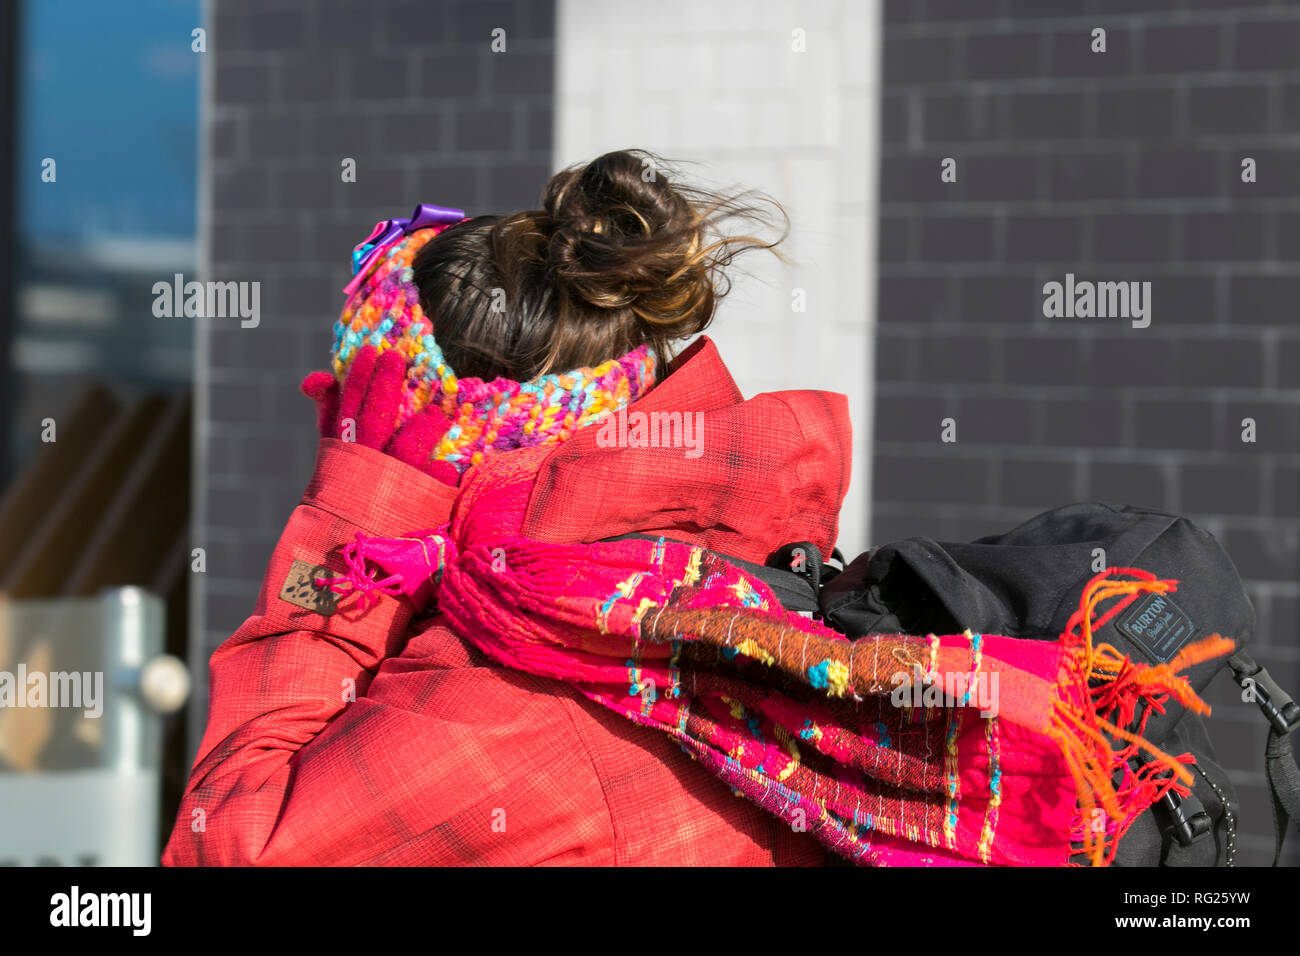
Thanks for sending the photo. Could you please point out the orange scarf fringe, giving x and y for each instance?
(1078, 721)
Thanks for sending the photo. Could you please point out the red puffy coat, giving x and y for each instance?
(379, 738)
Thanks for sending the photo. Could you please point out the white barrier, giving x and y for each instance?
(82, 684)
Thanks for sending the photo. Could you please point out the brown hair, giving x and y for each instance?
(619, 256)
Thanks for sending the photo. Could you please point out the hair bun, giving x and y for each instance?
(623, 237)
(619, 256)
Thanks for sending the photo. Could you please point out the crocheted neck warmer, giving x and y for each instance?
(384, 311)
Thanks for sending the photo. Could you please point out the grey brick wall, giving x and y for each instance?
(1123, 166)
(409, 89)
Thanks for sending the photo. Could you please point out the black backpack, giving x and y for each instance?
(1027, 583)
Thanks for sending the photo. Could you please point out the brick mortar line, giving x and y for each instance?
(1011, 25)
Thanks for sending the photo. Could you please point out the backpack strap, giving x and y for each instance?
(1283, 717)
(1181, 818)
(804, 558)
(1284, 787)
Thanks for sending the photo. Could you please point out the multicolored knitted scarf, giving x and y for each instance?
(383, 310)
(884, 747)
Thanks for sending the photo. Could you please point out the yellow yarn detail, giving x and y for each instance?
(788, 742)
(751, 649)
(743, 590)
(645, 605)
(623, 589)
(693, 565)
(837, 678)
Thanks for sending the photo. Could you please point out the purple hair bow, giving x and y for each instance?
(389, 231)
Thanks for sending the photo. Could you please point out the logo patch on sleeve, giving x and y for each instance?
(1157, 625)
(300, 589)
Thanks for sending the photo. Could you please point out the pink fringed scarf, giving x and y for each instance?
(878, 746)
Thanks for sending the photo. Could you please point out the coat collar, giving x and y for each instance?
(770, 470)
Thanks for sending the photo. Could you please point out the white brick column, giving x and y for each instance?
(722, 84)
